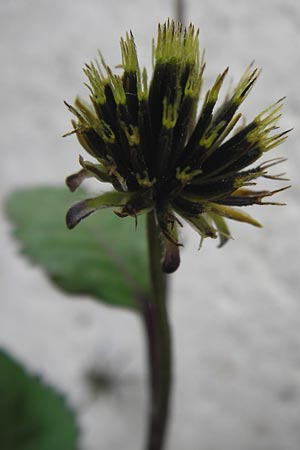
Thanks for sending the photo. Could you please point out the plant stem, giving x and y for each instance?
(159, 342)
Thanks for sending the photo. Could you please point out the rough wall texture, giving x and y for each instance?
(235, 312)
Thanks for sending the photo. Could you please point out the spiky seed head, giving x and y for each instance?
(159, 154)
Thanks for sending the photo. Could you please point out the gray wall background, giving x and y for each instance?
(235, 312)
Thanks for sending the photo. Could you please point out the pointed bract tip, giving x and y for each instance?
(74, 181)
(171, 257)
(171, 263)
(76, 213)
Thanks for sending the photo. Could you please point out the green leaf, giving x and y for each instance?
(32, 416)
(104, 257)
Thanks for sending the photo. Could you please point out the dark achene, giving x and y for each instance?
(158, 154)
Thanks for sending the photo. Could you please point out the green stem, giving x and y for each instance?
(159, 342)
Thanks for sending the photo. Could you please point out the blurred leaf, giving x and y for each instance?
(32, 416)
(104, 257)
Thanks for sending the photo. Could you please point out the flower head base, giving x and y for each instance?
(159, 155)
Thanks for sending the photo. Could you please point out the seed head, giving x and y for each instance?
(159, 154)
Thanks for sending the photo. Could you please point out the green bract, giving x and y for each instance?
(158, 154)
